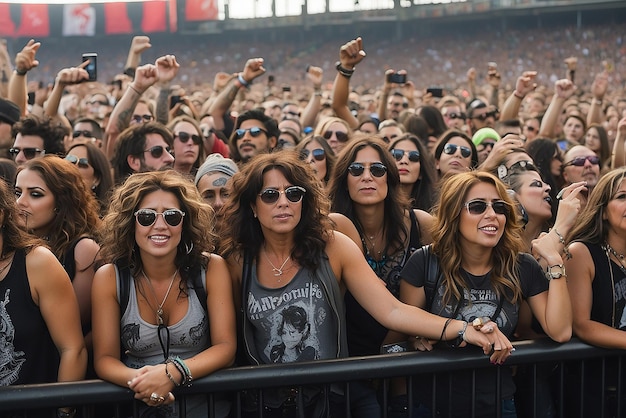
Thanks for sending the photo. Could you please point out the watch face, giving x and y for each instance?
(556, 272)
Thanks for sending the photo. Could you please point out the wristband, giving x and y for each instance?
(597, 101)
(243, 82)
(344, 71)
(22, 73)
(134, 89)
(519, 96)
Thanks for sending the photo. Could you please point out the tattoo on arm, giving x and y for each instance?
(162, 107)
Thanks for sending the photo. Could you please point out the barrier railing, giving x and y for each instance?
(88, 396)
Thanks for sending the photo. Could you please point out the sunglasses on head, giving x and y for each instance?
(141, 118)
(450, 149)
(376, 169)
(147, 217)
(157, 151)
(184, 137)
(29, 153)
(294, 194)
(86, 134)
(341, 136)
(398, 154)
(254, 132)
(478, 207)
(80, 162)
(580, 161)
(318, 153)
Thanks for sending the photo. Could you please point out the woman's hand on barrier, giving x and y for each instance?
(152, 386)
(493, 342)
(421, 343)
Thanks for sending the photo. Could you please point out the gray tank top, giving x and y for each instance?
(140, 339)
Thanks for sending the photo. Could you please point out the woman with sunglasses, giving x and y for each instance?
(316, 151)
(417, 171)
(480, 275)
(95, 170)
(280, 245)
(178, 323)
(188, 144)
(56, 206)
(455, 153)
(335, 131)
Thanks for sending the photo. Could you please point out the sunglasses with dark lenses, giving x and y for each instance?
(185, 136)
(80, 162)
(29, 153)
(157, 151)
(341, 136)
(86, 134)
(484, 116)
(414, 156)
(376, 169)
(478, 207)
(147, 217)
(141, 118)
(450, 149)
(294, 194)
(453, 115)
(254, 132)
(530, 128)
(318, 153)
(580, 161)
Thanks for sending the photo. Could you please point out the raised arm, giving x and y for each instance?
(525, 84)
(24, 62)
(309, 115)
(619, 150)
(137, 46)
(64, 78)
(167, 67)
(563, 90)
(598, 90)
(350, 54)
(5, 68)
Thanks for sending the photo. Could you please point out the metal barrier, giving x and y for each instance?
(89, 396)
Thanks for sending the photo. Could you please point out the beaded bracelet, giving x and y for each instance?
(344, 71)
(568, 255)
(169, 376)
(184, 371)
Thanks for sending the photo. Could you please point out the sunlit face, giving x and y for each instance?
(186, 153)
(30, 146)
(318, 165)
(282, 216)
(249, 145)
(452, 116)
(573, 129)
(592, 140)
(152, 162)
(481, 231)
(534, 196)
(367, 189)
(35, 202)
(86, 171)
(615, 212)
(455, 163)
(159, 239)
(214, 189)
(587, 172)
(334, 143)
(390, 133)
(141, 114)
(409, 170)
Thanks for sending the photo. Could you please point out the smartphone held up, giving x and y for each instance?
(92, 66)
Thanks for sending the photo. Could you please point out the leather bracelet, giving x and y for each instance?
(443, 331)
(242, 80)
(344, 71)
(134, 89)
(22, 73)
(516, 94)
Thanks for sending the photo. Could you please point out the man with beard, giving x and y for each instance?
(254, 133)
(581, 164)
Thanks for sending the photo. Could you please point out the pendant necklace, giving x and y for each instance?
(372, 242)
(159, 311)
(619, 257)
(278, 271)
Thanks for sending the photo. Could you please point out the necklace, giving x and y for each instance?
(371, 239)
(618, 257)
(278, 271)
(159, 311)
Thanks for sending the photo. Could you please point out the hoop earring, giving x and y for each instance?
(188, 248)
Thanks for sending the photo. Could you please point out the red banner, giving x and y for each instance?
(7, 27)
(35, 21)
(116, 19)
(154, 16)
(201, 10)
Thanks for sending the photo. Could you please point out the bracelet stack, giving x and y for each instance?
(344, 71)
(169, 375)
(568, 255)
(180, 365)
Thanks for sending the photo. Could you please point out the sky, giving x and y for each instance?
(242, 9)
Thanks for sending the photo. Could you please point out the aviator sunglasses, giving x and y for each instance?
(184, 137)
(86, 134)
(450, 149)
(318, 153)
(376, 169)
(29, 153)
(254, 132)
(414, 156)
(157, 151)
(80, 162)
(478, 207)
(341, 136)
(580, 161)
(294, 194)
(147, 217)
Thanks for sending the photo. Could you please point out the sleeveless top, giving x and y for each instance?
(27, 352)
(608, 288)
(141, 341)
(365, 334)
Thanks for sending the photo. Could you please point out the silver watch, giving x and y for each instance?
(556, 272)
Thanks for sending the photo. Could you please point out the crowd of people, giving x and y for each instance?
(156, 229)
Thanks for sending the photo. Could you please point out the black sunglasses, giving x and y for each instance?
(454, 115)
(484, 116)
(81, 162)
(294, 194)
(450, 149)
(86, 134)
(29, 153)
(376, 169)
(580, 161)
(341, 136)
(318, 153)
(398, 154)
(157, 151)
(141, 118)
(100, 102)
(254, 132)
(478, 207)
(147, 217)
(185, 136)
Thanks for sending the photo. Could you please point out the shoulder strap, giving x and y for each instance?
(199, 284)
(433, 275)
(122, 278)
(414, 238)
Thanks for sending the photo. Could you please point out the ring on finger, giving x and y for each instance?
(154, 397)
